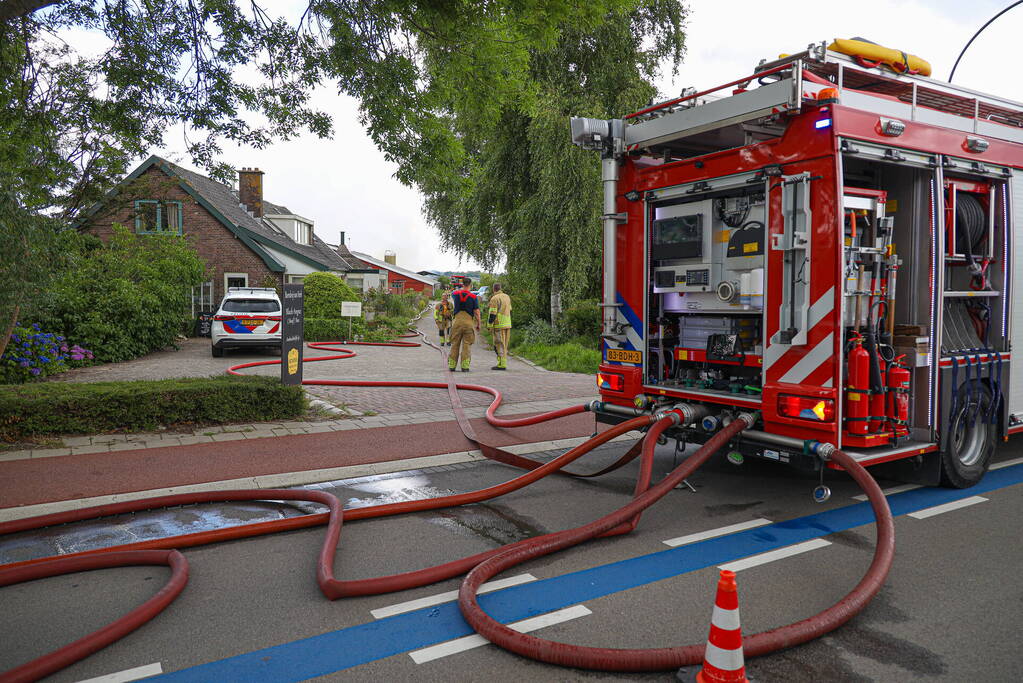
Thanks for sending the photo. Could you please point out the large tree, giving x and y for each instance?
(527, 194)
(439, 84)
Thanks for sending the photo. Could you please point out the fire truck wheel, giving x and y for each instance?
(971, 439)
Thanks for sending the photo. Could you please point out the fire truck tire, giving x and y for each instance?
(971, 440)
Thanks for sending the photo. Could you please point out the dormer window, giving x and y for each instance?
(297, 228)
(303, 232)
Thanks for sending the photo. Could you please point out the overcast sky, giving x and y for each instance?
(345, 183)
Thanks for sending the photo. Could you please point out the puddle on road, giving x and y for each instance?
(495, 523)
(141, 526)
(489, 521)
(387, 489)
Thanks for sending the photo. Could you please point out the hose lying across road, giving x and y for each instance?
(481, 566)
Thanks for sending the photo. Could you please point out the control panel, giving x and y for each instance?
(707, 254)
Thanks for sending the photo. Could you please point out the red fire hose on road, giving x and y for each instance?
(486, 564)
(658, 659)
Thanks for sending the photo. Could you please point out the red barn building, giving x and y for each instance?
(399, 279)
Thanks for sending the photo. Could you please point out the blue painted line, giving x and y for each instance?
(331, 652)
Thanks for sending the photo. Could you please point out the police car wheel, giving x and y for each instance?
(216, 351)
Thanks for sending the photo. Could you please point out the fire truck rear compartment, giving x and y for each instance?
(706, 296)
(704, 330)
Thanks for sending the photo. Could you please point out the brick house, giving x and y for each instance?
(398, 279)
(243, 239)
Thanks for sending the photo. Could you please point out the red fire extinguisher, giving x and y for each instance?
(857, 395)
(898, 397)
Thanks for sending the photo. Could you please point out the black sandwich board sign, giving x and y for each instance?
(292, 334)
(203, 324)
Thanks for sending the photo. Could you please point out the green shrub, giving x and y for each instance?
(324, 293)
(541, 332)
(326, 329)
(34, 354)
(526, 304)
(384, 303)
(386, 328)
(122, 299)
(581, 319)
(91, 408)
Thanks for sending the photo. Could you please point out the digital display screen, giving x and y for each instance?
(697, 278)
(664, 278)
(679, 237)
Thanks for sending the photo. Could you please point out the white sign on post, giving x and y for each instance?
(351, 309)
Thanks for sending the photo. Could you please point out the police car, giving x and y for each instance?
(247, 317)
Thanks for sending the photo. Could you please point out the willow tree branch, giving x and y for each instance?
(15, 9)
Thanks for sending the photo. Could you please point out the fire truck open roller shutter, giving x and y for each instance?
(780, 96)
(698, 189)
(1015, 209)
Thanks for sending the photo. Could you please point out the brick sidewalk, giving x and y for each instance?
(525, 389)
(106, 443)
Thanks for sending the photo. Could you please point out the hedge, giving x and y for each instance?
(327, 329)
(96, 407)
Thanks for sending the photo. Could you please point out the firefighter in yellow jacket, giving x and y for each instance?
(499, 320)
(442, 315)
(463, 328)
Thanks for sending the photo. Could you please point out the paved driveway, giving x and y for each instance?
(520, 383)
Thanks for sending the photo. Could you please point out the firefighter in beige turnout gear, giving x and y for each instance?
(463, 329)
(499, 320)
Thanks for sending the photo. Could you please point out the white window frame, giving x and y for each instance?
(296, 279)
(230, 275)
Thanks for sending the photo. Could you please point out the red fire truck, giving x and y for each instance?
(827, 243)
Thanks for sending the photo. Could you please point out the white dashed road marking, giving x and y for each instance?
(779, 554)
(428, 654)
(714, 533)
(947, 507)
(448, 596)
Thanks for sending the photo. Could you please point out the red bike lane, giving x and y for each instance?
(45, 480)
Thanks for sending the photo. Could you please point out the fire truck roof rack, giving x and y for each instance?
(701, 122)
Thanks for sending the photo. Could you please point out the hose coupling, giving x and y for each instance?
(824, 450)
(690, 412)
(671, 414)
(594, 406)
(749, 418)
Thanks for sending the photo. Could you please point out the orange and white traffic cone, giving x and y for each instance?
(723, 661)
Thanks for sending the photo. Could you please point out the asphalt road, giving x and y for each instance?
(951, 609)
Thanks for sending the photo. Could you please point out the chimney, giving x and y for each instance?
(390, 257)
(341, 239)
(250, 190)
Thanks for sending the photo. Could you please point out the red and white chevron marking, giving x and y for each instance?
(812, 363)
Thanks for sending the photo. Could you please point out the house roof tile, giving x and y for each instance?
(223, 198)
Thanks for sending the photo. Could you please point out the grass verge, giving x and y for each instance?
(29, 410)
(567, 357)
